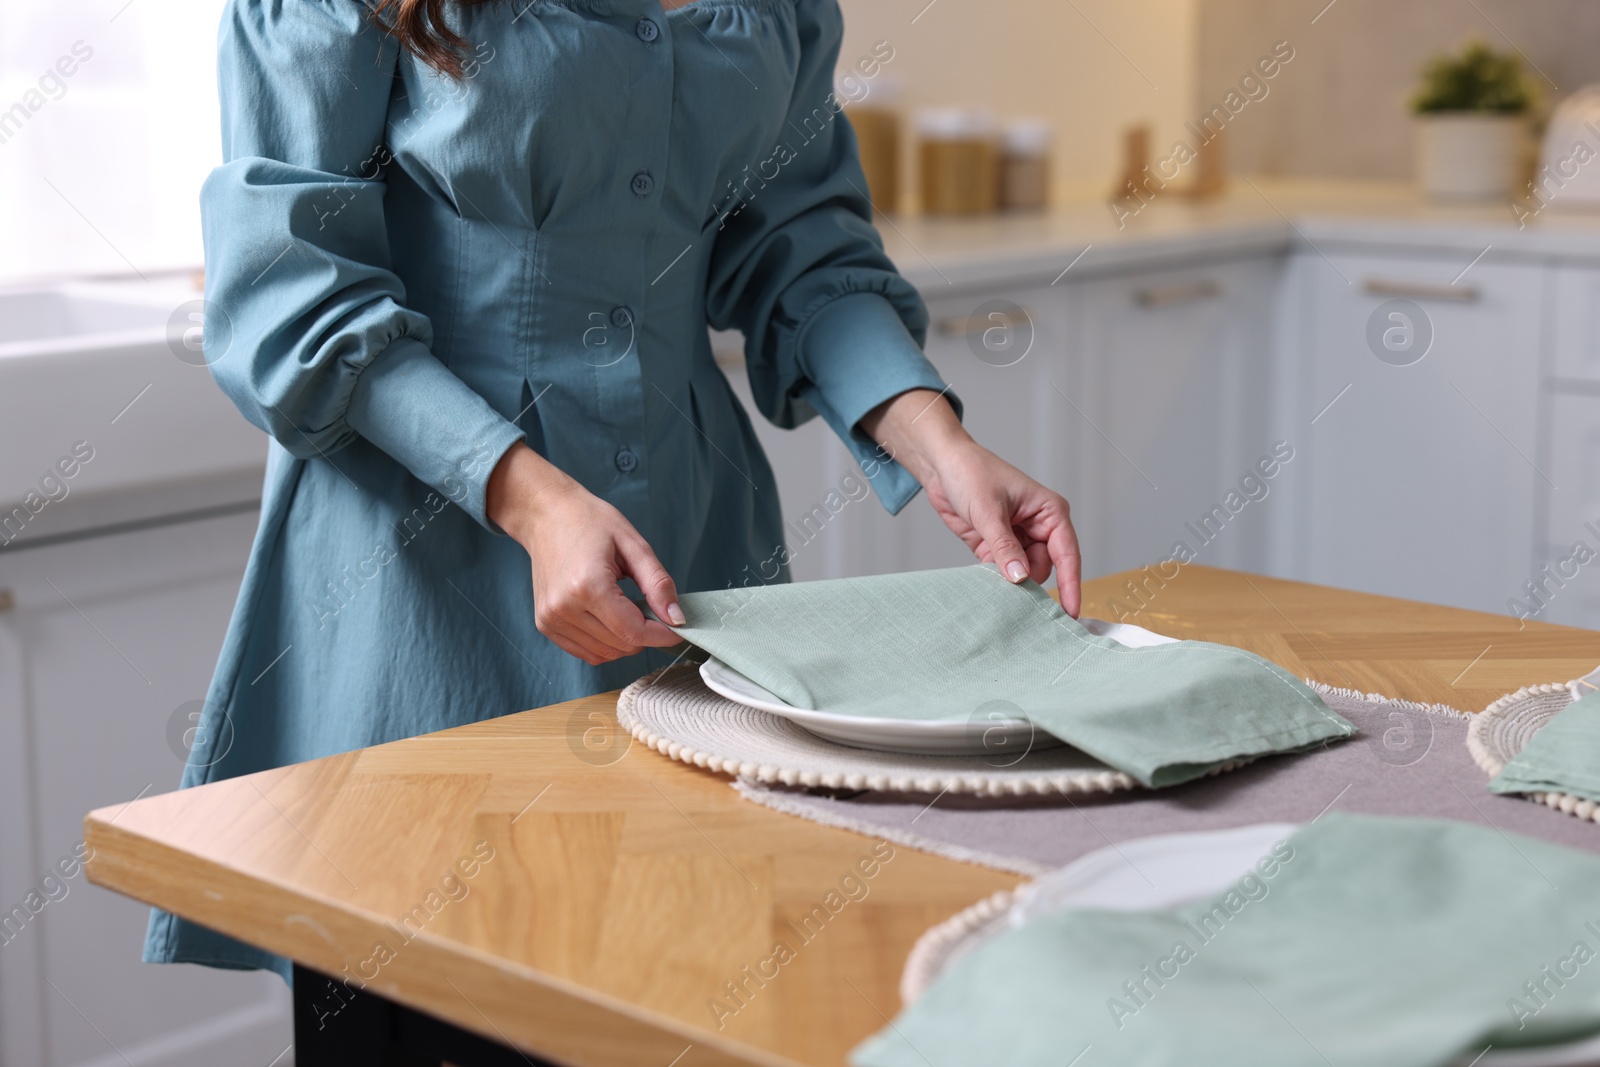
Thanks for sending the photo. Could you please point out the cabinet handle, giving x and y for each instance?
(968, 325)
(1184, 293)
(1456, 294)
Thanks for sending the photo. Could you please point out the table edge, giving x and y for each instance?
(646, 1034)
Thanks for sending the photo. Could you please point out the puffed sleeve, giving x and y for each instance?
(323, 348)
(830, 326)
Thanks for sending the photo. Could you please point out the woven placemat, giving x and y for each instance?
(941, 945)
(674, 713)
(1502, 729)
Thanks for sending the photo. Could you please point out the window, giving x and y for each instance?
(108, 127)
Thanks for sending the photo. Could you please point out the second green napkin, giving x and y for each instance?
(1562, 757)
(1359, 940)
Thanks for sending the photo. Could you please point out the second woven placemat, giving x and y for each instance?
(1500, 731)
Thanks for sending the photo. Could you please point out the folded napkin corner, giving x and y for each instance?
(1563, 756)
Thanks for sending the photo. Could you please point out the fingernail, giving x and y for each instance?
(1016, 571)
(675, 613)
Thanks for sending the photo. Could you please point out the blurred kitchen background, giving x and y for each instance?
(1352, 339)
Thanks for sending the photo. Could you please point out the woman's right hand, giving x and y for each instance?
(581, 547)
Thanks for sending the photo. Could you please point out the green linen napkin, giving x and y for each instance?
(1562, 757)
(1359, 940)
(966, 644)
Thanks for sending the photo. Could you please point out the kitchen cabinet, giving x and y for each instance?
(1151, 397)
(105, 640)
(1420, 463)
(808, 462)
(1575, 325)
(1005, 355)
(1007, 358)
(1173, 413)
(1143, 398)
(1565, 586)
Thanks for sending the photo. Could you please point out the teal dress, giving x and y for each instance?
(407, 274)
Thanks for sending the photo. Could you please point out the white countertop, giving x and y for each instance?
(1253, 215)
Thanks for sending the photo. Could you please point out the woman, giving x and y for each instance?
(469, 253)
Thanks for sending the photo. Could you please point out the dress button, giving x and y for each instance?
(621, 317)
(647, 30)
(626, 460)
(642, 184)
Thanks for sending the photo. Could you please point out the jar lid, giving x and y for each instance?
(1027, 136)
(955, 123)
(856, 90)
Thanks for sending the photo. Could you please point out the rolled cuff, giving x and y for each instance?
(855, 353)
(411, 406)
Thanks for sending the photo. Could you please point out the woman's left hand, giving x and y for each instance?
(1003, 515)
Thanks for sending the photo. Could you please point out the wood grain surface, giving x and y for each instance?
(539, 880)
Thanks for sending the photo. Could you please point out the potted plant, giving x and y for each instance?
(1472, 111)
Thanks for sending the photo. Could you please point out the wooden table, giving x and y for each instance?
(615, 893)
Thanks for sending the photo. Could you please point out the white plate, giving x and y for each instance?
(1582, 687)
(980, 736)
(1170, 870)
(1148, 873)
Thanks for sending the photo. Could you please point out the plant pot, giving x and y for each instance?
(1466, 155)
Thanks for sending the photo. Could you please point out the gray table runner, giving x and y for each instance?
(1407, 760)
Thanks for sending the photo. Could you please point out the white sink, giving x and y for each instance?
(92, 363)
(68, 314)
